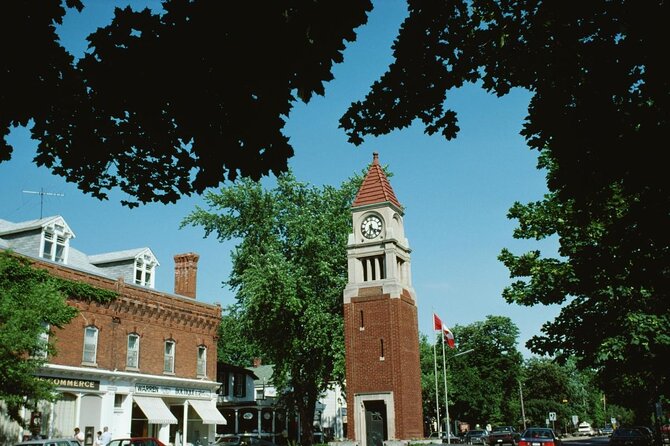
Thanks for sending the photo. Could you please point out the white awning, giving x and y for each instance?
(208, 412)
(155, 409)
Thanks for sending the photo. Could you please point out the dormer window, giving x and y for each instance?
(55, 243)
(144, 270)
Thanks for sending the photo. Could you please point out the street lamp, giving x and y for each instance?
(446, 390)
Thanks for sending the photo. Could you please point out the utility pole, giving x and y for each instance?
(41, 193)
(523, 411)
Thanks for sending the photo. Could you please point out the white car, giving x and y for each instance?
(585, 429)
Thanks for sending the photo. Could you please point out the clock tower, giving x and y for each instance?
(381, 334)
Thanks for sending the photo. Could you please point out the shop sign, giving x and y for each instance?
(153, 389)
(72, 383)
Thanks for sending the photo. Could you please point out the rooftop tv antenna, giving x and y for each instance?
(41, 193)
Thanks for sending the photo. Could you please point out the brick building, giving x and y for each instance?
(143, 364)
(383, 376)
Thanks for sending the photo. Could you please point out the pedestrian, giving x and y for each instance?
(79, 436)
(106, 436)
(98, 439)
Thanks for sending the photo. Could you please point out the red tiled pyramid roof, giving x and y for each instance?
(376, 187)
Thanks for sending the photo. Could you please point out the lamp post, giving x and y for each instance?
(446, 390)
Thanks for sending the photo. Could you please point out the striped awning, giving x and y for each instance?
(208, 412)
(155, 409)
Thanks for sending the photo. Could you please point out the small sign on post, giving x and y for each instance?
(552, 416)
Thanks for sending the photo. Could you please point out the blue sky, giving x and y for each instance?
(456, 194)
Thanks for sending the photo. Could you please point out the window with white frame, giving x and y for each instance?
(55, 243)
(144, 270)
(133, 353)
(90, 344)
(41, 349)
(168, 363)
(201, 366)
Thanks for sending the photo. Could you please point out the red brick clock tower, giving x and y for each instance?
(381, 334)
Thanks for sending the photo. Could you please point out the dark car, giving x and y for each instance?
(605, 430)
(500, 435)
(228, 440)
(442, 437)
(539, 436)
(630, 436)
(476, 436)
(136, 441)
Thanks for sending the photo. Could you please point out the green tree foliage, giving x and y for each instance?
(483, 383)
(31, 303)
(169, 102)
(289, 270)
(599, 106)
(545, 386)
(233, 346)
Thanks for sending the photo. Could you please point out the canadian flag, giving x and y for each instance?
(437, 323)
(449, 337)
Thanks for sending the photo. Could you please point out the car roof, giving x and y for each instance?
(46, 441)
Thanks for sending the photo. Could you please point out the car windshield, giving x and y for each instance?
(627, 432)
(471, 433)
(537, 433)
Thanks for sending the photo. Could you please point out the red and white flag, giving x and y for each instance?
(437, 323)
(449, 337)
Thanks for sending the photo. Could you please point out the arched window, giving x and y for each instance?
(168, 363)
(90, 344)
(201, 364)
(133, 353)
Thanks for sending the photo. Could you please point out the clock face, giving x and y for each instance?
(371, 226)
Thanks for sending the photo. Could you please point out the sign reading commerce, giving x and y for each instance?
(72, 383)
(153, 389)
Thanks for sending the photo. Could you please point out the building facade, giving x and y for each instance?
(143, 364)
(383, 375)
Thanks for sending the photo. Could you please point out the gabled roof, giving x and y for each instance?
(117, 256)
(225, 366)
(7, 227)
(376, 187)
(264, 374)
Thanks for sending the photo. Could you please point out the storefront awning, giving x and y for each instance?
(155, 409)
(208, 413)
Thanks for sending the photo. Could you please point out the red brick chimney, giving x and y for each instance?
(185, 273)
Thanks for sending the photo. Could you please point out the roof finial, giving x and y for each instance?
(375, 158)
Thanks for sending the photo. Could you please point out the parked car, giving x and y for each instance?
(584, 429)
(136, 441)
(630, 436)
(227, 440)
(49, 442)
(476, 436)
(605, 430)
(500, 435)
(539, 436)
(441, 437)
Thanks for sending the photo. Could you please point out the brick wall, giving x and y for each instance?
(368, 320)
(155, 316)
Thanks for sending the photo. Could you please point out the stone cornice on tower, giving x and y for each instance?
(376, 187)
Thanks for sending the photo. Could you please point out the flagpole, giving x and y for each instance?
(437, 388)
(446, 391)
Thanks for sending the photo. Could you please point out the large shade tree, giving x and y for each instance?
(289, 270)
(600, 88)
(170, 101)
